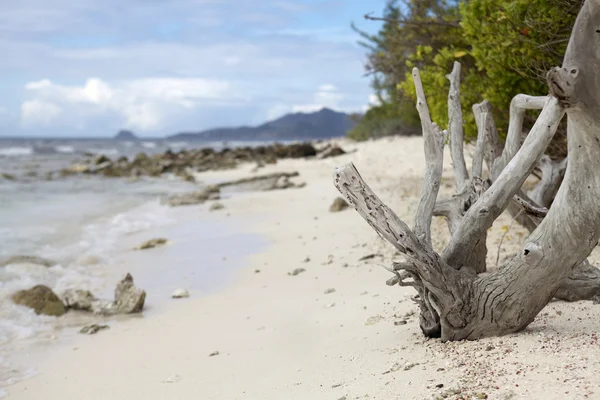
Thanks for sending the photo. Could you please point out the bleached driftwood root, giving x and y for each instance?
(457, 303)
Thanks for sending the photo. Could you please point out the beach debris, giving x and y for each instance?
(274, 181)
(330, 305)
(339, 204)
(128, 298)
(8, 177)
(330, 151)
(214, 353)
(370, 257)
(93, 329)
(173, 379)
(373, 320)
(330, 290)
(397, 367)
(342, 398)
(24, 259)
(78, 299)
(329, 260)
(400, 322)
(41, 299)
(216, 206)
(152, 243)
(409, 365)
(296, 271)
(192, 198)
(180, 293)
(306, 260)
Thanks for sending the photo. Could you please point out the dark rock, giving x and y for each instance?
(93, 329)
(152, 243)
(339, 204)
(369, 257)
(297, 271)
(332, 151)
(41, 299)
(102, 159)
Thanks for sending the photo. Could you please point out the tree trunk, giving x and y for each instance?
(456, 303)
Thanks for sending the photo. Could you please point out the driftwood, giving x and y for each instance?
(456, 302)
(260, 178)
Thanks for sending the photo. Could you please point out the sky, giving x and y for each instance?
(157, 67)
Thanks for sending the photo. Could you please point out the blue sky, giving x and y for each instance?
(90, 68)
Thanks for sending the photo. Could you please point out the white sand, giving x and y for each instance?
(282, 337)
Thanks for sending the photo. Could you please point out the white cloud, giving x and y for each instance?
(142, 104)
(38, 112)
(327, 95)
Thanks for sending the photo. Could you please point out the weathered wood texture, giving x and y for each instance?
(457, 303)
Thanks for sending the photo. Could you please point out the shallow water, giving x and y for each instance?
(88, 225)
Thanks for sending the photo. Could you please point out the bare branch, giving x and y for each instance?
(552, 174)
(438, 277)
(455, 126)
(531, 209)
(434, 140)
(481, 120)
(493, 146)
(483, 213)
(518, 105)
(454, 24)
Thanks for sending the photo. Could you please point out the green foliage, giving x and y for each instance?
(389, 118)
(505, 48)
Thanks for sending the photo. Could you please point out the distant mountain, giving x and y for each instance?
(125, 135)
(322, 124)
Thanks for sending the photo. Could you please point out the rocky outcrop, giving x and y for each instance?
(331, 151)
(128, 299)
(125, 135)
(187, 162)
(41, 299)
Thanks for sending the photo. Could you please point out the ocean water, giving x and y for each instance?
(79, 222)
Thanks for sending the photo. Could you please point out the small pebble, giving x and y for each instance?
(297, 271)
(180, 293)
(173, 379)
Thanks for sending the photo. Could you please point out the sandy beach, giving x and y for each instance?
(332, 332)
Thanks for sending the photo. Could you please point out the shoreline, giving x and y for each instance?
(281, 336)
